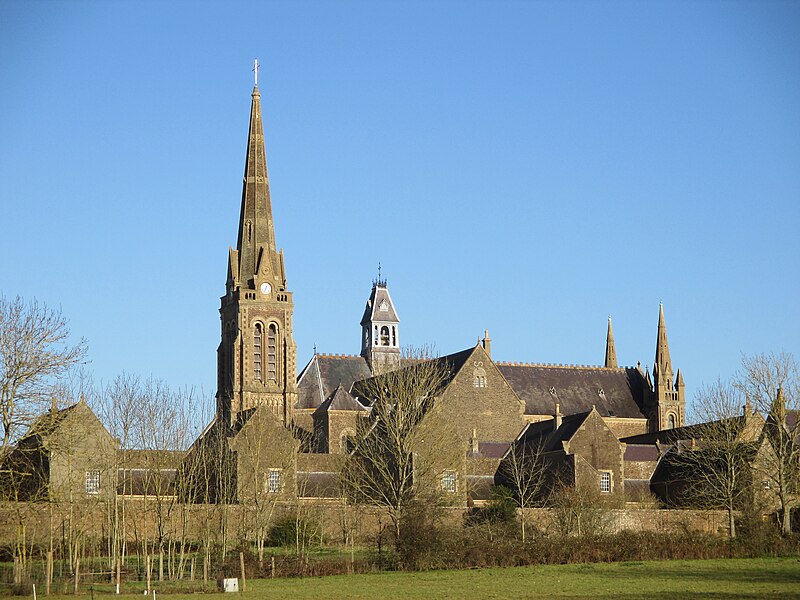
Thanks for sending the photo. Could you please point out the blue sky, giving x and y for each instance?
(526, 167)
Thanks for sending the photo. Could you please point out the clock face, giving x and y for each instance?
(266, 288)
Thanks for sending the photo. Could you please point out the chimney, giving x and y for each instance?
(487, 343)
(473, 442)
(558, 416)
(747, 410)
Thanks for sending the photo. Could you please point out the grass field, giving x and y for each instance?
(731, 578)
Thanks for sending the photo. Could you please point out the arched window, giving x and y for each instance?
(384, 336)
(394, 335)
(670, 421)
(272, 344)
(479, 377)
(346, 441)
(257, 364)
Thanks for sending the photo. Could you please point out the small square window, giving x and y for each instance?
(605, 482)
(92, 482)
(449, 481)
(274, 481)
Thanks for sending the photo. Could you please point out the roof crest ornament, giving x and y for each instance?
(378, 281)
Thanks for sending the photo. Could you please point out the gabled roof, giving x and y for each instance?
(542, 436)
(450, 365)
(614, 392)
(341, 399)
(324, 373)
(671, 436)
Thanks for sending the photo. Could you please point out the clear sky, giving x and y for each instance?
(526, 167)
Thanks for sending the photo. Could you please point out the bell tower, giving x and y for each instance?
(380, 330)
(256, 357)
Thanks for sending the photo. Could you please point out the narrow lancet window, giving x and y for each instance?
(384, 336)
(257, 365)
(272, 344)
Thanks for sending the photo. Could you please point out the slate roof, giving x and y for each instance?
(641, 453)
(541, 434)
(670, 436)
(324, 373)
(493, 449)
(577, 389)
(450, 364)
(341, 399)
(318, 484)
(372, 311)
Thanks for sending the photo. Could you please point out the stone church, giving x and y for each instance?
(582, 414)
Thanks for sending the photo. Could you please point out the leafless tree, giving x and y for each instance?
(35, 350)
(771, 382)
(523, 471)
(715, 467)
(403, 449)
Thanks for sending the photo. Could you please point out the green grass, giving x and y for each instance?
(726, 578)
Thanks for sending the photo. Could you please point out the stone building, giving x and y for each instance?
(490, 405)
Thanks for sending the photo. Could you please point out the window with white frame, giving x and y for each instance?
(92, 482)
(273, 481)
(605, 482)
(449, 481)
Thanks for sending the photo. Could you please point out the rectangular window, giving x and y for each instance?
(92, 482)
(449, 481)
(274, 481)
(605, 482)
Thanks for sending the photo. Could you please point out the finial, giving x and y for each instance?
(255, 70)
(380, 281)
(315, 349)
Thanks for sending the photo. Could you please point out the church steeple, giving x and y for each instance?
(257, 259)
(611, 351)
(663, 364)
(669, 408)
(257, 355)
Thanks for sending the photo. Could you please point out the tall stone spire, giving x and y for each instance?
(257, 355)
(663, 364)
(257, 256)
(611, 351)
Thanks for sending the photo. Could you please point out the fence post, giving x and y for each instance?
(241, 564)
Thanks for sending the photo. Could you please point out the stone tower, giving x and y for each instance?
(670, 404)
(257, 354)
(380, 330)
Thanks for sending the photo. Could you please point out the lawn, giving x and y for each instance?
(731, 578)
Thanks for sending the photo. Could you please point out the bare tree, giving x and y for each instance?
(35, 351)
(716, 466)
(523, 471)
(771, 382)
(403, 449)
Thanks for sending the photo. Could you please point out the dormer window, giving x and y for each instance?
(384, 307)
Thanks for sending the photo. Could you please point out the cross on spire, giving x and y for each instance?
(255, 70)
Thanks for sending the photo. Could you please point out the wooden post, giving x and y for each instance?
(119, 572)
(272, 574)
(191, 571)
(77, 572)
(147, 569)
(241, 564)
(49, 573)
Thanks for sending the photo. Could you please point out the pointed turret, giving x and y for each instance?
(611, 351)
(663, 364)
